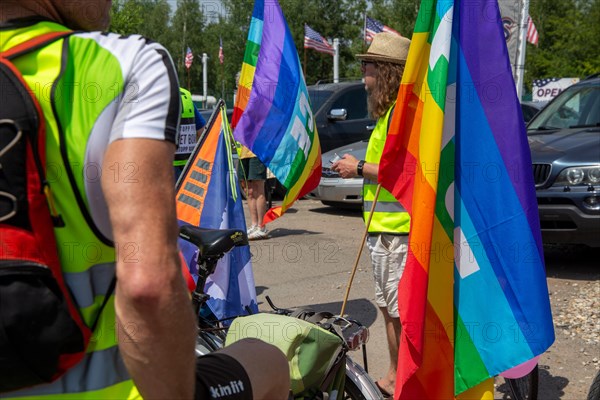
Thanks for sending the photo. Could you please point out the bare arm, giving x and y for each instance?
(154, 315)
(346, 167)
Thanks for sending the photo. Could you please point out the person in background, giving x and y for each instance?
(254, 174)
(190, 128)
(382, 67)
(143, 345)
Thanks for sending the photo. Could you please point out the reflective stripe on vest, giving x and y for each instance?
(186, 139)
(389, 215)
(75, 381)
(87, 262)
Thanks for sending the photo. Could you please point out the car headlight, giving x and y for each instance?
(594, 175)
(579, 176)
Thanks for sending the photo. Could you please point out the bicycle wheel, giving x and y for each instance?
(526, 387)
(594, 393)
(351, 391)
(358, 384)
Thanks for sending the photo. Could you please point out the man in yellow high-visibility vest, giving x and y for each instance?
(382, 68)
(190, 127)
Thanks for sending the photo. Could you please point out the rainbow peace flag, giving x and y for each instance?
(473, 298)
(208, 196)
(272, 114)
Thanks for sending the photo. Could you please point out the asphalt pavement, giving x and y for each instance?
(311, 251)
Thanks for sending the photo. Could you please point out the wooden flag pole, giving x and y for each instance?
(362, 244)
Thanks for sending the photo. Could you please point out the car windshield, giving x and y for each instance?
(318, 97)
(577, 107)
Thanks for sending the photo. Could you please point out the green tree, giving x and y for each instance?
(569, 40)
(149, 18)
(126, 16)
(187, 31)
(569, 43)
(397, 14)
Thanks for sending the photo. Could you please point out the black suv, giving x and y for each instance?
(340, 111)
(565, 149)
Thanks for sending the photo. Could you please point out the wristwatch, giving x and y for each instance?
(359, 167)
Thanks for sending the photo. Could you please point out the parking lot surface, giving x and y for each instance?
(307, 260)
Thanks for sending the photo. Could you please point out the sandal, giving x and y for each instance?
(385, 393)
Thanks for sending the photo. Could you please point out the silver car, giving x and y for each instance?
(335, 191)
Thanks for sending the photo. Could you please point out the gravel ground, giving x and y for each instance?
(572, 362)
(569, 366)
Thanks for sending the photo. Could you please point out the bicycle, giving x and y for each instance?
(526, 387)
(212, 245)
(594, 392)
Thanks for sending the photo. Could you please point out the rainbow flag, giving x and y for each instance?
(473, 298)
(272, 114)
(208, 196)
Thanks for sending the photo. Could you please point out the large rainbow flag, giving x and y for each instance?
(208, 196)
(473, 298)
(272, 114)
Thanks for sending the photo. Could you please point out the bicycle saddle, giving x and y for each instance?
(213, 242)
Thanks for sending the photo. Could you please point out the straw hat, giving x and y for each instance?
(387, 47)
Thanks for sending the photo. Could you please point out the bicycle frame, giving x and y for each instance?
(211, 336)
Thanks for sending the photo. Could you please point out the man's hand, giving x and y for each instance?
(346, 167)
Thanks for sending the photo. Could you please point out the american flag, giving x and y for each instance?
(372, 27)
(313, 40)
(532, 33)
(189, 57)
(221, 55)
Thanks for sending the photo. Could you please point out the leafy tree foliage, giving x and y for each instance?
(146, 17)
(569, 43)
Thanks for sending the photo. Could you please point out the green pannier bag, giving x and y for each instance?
(316, 356)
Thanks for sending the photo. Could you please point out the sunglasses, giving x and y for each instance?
(364, 63)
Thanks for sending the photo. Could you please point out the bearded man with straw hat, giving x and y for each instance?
(382, 67)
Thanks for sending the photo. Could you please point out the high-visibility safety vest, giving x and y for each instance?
(389, 216)
(88, 97)
(186, 140)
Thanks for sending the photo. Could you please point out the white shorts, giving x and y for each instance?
(388, 257)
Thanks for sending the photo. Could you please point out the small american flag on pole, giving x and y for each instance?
(221, 55)
(532, 33)
(373, 27)
(189, 57)
(313, 40)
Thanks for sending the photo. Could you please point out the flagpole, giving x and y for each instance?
(222, 82)
(365, 31)
(362, 244)
(336, 60)
(520, 64)
(183, 46)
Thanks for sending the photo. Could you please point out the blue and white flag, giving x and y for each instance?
(208, 196)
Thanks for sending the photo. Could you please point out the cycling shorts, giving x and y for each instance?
(221, 376)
